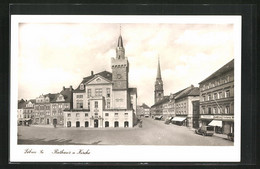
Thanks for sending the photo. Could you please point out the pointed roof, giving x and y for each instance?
(120, 41)
(158, 70)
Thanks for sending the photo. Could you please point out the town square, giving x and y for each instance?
(119, 103)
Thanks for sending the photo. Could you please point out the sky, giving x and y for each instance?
(60, 54)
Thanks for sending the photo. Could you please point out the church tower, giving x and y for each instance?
(120, 69)
(158, 87)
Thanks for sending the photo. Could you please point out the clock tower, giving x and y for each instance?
(120, 69)
(158, 87)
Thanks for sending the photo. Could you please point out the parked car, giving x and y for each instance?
(168, 120)
(158, 117)
(230, 136)
(205, 130)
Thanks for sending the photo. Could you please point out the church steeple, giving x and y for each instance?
(158, 87)
(158, 70)
(120, 50)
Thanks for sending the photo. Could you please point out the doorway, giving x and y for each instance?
(54, 121)
(48, 121)
(96, 123)
(77, 124)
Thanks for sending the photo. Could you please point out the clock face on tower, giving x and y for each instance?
(119, 76)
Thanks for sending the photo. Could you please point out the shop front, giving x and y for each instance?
(180, 120)
(223, 124)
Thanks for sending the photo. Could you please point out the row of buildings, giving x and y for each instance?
(212, 103)
(101, 100)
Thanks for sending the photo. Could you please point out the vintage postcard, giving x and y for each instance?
(88, 88)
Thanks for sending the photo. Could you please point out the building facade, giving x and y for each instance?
(28, 112)
(48, 109)
(143, 111)
(217, 99)
(185, 107)
(104, 99)
(20, 111)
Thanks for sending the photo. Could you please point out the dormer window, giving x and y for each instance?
(81, 86)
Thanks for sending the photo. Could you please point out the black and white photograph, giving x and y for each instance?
(88, 88)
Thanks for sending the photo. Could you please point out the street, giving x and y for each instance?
(153, 132)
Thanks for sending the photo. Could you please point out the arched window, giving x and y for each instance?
(116, 124)
(86, 124)
(126, 124)
(106, 124)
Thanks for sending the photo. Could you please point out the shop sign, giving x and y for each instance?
(206, 116)
(218, 117)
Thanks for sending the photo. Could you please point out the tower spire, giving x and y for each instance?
(158, 70)
(120, 50)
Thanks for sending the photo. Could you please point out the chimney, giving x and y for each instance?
(63, 87)
(71, 88)
(92, 73)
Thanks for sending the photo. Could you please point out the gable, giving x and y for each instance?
(60, 98)
(98, 80)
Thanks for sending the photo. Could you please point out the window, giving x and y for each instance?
(209, 97)
(79, 104)
(69, 115)
(60, 106)
(116, 114)
(96, 104)
(89, 92)
(96, 114)
(108, 104)
(209, 110)
(41, 107)
(215, 96)
(98, 92)
(88, 104)
(204, 98)
(116, 124)
(126, 114)
(86, 114)
(79, 96)
(106, 114)
(220, 95)
(77, 115)
(215, 110)
(227, 110)
(108, 92)
(81, 86)
(227, 93)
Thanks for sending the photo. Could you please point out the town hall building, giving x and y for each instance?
(104, 99)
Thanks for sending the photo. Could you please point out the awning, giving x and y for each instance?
(215, 123)
(179, 118)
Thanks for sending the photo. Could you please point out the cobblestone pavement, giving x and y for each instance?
(153, 132)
